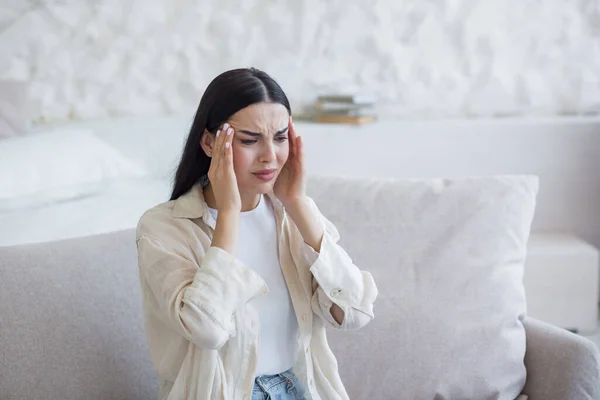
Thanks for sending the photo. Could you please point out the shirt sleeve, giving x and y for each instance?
(197, 300)
(336, 280)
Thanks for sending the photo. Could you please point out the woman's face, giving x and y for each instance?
(260, 146)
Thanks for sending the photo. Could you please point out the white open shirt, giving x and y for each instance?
(202, 330)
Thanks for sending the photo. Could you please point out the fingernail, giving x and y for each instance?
(227, 145)
(229, 131)
(291, 119)
(225, 126)
(218, 132)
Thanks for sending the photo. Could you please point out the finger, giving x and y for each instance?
(227, 139)
(214, 162)
(215, 147)
(220, 144)
(292, 138)
(229, 134)
(299, 149)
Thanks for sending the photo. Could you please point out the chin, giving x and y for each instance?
(260, 188)
(264, 188)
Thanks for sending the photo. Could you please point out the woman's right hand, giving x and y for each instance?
(221, 173)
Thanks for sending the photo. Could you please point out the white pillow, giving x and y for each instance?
(447, 256)
(58, 165)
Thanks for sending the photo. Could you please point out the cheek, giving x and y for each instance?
(283, 154)
(238, 158)
(242, 158)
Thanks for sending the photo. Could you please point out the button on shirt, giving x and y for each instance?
(200, 315)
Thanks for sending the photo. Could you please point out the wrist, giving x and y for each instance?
(228, 213)
(307, 222)
(296, 204)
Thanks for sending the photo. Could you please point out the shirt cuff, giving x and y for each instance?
(340, 280)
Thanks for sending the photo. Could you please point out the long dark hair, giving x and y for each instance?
(225, 95)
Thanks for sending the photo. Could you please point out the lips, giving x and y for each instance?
(265, 174)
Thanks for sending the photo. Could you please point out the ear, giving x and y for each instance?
(207, 142)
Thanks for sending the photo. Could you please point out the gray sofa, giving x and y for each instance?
(71, 328)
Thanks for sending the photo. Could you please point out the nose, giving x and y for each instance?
(267, 153)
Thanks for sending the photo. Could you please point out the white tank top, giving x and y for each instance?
(258, 250)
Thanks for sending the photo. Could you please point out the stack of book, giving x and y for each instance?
(345, 109)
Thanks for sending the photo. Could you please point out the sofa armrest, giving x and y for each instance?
(560, 365)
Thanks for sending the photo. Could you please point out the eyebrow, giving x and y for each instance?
(257, 134)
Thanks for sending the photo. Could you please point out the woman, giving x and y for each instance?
(240, 272)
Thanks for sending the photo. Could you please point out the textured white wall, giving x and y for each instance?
(432, 58)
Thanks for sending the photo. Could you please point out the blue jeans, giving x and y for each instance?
(283, 386)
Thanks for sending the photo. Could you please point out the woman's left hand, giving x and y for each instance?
(290, 186)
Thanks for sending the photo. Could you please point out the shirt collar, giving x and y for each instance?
(193, 205)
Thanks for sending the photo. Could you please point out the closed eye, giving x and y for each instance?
(279, 139)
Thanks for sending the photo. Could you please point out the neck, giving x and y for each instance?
(249, 201)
